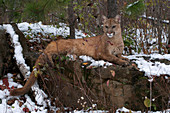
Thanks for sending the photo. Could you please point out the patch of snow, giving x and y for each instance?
(40, 95)
(94, 62)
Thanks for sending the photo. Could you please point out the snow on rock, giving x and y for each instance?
(94, 62)
(150, 68)
(159, 56)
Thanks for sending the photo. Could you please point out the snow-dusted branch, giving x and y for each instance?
(24, 69)
(155, 19)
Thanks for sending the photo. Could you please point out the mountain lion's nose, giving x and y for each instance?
(110, 35)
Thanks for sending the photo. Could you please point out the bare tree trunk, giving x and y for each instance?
(168, 39)
(1, 15)
(22, 38)
(159, 27)
(159, 37)
(71, 19)
(111, 8)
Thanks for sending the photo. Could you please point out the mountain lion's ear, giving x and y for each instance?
(104, 18)
(118, 18)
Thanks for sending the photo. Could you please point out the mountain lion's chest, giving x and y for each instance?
(115, 48)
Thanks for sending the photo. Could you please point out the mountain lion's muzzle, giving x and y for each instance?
(110, 35)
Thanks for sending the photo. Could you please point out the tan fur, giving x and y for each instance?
(99, 47)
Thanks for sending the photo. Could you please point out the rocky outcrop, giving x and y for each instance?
(6, 53)
(69, 84)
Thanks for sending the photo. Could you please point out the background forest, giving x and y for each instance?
(145, 23)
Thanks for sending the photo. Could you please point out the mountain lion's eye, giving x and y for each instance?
(113, 26)
(106, 27)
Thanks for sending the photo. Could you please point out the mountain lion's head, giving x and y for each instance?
(111, 26)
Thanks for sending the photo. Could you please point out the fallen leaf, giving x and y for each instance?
(2, 87)
(35, 110)
(147, 102)
(85, 33)
(11, 101)
(107, 83)
(89, 67)
(25, 109)
(113, 73)
(5, 81)
(9, 89)
(20, 104)
(85, 63)
(12, 87)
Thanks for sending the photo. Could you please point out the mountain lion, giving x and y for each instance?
(108, 46)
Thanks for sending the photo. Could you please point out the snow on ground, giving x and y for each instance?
(16, 108)
(48, 29)
(151, 68)
(147, 66)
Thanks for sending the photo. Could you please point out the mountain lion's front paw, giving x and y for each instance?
(126, 59)
(124, 63)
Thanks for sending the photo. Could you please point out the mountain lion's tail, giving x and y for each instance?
(31, 80)
(26, 88)
(45, 57)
